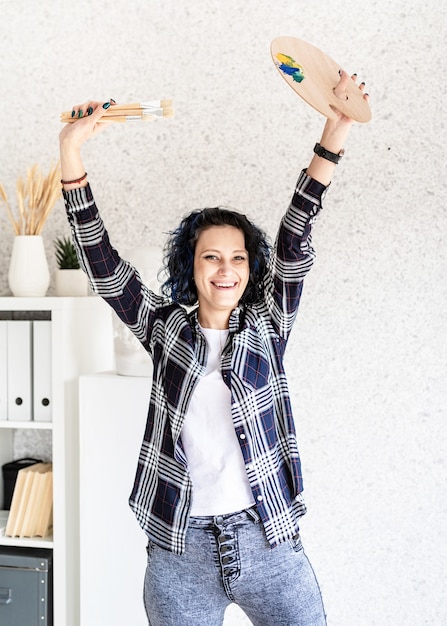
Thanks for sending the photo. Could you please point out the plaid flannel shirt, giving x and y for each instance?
(252, 367)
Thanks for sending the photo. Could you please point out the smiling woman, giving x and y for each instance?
(181, 250)
(218, 483)
(221, 273)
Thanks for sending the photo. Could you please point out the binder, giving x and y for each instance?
(44, 514)
(31, 511)
(19, 501)
(19, 370)
(39, 505)
(3, 370)
(42, 368)
(26, 523)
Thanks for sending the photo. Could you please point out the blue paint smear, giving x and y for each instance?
(295, 73)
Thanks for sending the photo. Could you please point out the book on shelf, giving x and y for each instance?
(44, 517)
(20, 497)
(25, 522)
(32, 502)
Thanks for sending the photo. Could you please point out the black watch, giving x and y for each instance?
(326, 154)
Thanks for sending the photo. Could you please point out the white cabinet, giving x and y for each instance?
(113, 411)
(81, 343)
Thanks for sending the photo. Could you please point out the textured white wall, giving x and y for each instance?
(367, 360)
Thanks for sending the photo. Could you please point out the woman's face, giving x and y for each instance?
(221, 272)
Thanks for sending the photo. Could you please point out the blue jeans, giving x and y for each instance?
(228, 559)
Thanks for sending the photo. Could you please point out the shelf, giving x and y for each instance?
(25, 542)
(26, 425)
(34, 542)
(45, 303)
(81, 344)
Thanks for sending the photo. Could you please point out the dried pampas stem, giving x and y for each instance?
(36, 197)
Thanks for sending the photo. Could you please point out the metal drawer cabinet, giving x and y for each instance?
(26, 587)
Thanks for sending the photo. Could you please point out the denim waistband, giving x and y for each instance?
(210, 521)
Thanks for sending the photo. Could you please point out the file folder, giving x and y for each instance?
(42, 369)
(19, 370)
(3, 370)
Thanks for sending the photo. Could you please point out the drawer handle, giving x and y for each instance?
(5, 595)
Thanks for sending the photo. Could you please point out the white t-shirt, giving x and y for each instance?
(215, 462)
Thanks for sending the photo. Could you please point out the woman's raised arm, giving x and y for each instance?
(72, 137)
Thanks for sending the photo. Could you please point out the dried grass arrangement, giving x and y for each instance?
(36, 197)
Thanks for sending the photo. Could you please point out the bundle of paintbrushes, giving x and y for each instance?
(144, 111)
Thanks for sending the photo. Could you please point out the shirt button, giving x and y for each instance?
(260, 498)
(242, 436)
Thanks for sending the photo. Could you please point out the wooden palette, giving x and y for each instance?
(313, 75)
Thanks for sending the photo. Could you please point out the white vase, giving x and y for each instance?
(71, 283)
(29, 274)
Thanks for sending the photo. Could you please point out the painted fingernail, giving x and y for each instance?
(112, 101)
(363, 83)
(89, 110)
(340, 72)
(73, 113)
(106, 105)
(80, 113)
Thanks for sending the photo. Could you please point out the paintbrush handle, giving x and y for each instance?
(127, 118)
(156, 104)
(118, 118)
(135, 110)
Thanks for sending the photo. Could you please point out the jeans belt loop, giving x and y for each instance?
(252, 512)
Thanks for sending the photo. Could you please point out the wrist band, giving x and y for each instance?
(326, 154)
(72, 182)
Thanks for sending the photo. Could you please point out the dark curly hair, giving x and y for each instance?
(180, 248)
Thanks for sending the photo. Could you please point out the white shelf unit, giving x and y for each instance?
(112, 544)
(82, 343)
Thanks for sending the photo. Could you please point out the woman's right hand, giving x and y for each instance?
(74, 134)
(86, 124)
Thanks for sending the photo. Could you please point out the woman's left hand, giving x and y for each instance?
(336, 131)
(334, 134)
